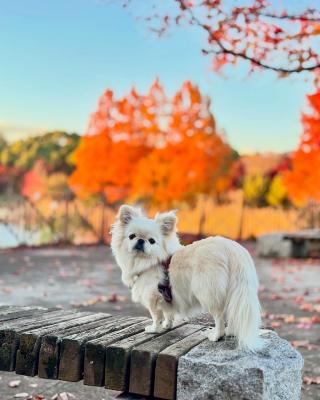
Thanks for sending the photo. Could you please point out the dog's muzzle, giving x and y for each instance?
(139, 246)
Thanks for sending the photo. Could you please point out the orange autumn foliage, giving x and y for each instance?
(152, 148)
(303, 180)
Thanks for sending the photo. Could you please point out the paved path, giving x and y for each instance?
(87, 278)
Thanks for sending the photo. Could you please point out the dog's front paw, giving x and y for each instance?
(152, 329)
(167, 324)
(214, 335)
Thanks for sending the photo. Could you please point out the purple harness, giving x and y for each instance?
(164, 286)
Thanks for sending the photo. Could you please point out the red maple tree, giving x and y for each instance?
(303, 180)
(152, 148)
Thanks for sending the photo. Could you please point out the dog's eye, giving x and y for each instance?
(132, 236)
(152, 241)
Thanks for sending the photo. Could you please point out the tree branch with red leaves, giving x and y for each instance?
(284, 41)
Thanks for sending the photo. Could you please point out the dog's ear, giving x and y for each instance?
(167, 222)
(126, 213)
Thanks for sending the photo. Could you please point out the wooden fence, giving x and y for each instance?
(81, 222)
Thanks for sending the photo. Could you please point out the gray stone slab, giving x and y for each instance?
(220, 371)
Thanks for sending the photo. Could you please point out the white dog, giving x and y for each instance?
(214, 275)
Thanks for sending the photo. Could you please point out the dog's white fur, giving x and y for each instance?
(214, 275)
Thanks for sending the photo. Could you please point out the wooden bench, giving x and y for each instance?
(305, 243)
(103, 350)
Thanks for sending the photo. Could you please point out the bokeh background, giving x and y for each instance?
(97, 110)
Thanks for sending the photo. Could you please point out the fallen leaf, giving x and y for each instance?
(63, 273)
(305, 344)
(306, 307)
(275, 324)
(275, 296)
(14, 384)
(310, 380)
(304, 325)
(300, 343)
(63, 396)
(315, 319)
(290, 319)
(86, 282)
(113, 298)
(298, 299)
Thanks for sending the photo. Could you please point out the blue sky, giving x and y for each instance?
(58, 56)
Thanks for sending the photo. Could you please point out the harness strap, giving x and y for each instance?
(164, 287)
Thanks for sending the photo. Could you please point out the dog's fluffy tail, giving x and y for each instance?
(243, 308)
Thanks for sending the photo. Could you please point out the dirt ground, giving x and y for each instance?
(87, 278)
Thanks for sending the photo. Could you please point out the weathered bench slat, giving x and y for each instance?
(118, 356)
(30, 341)
(10, 313)
(143, 358)
(95, 353)
(165, 381)
(10, 332)
(50, 349)
(105, 350)
(22, 313)
(7, 309)
(72, 347)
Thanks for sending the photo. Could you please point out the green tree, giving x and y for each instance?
(3, 143)
(277, 193)
(254, 189)
(54, 148)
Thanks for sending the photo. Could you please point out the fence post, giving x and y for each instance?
(242, 205)
(202, 221)
(66, 222)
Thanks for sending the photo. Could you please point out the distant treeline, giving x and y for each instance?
(41, 165)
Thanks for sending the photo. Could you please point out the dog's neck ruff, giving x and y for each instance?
(164, 287)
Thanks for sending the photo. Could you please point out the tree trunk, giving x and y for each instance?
(66, 222)
(202, 222)
(103, 223)
(311, 209)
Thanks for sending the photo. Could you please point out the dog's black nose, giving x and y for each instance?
(139, 245)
